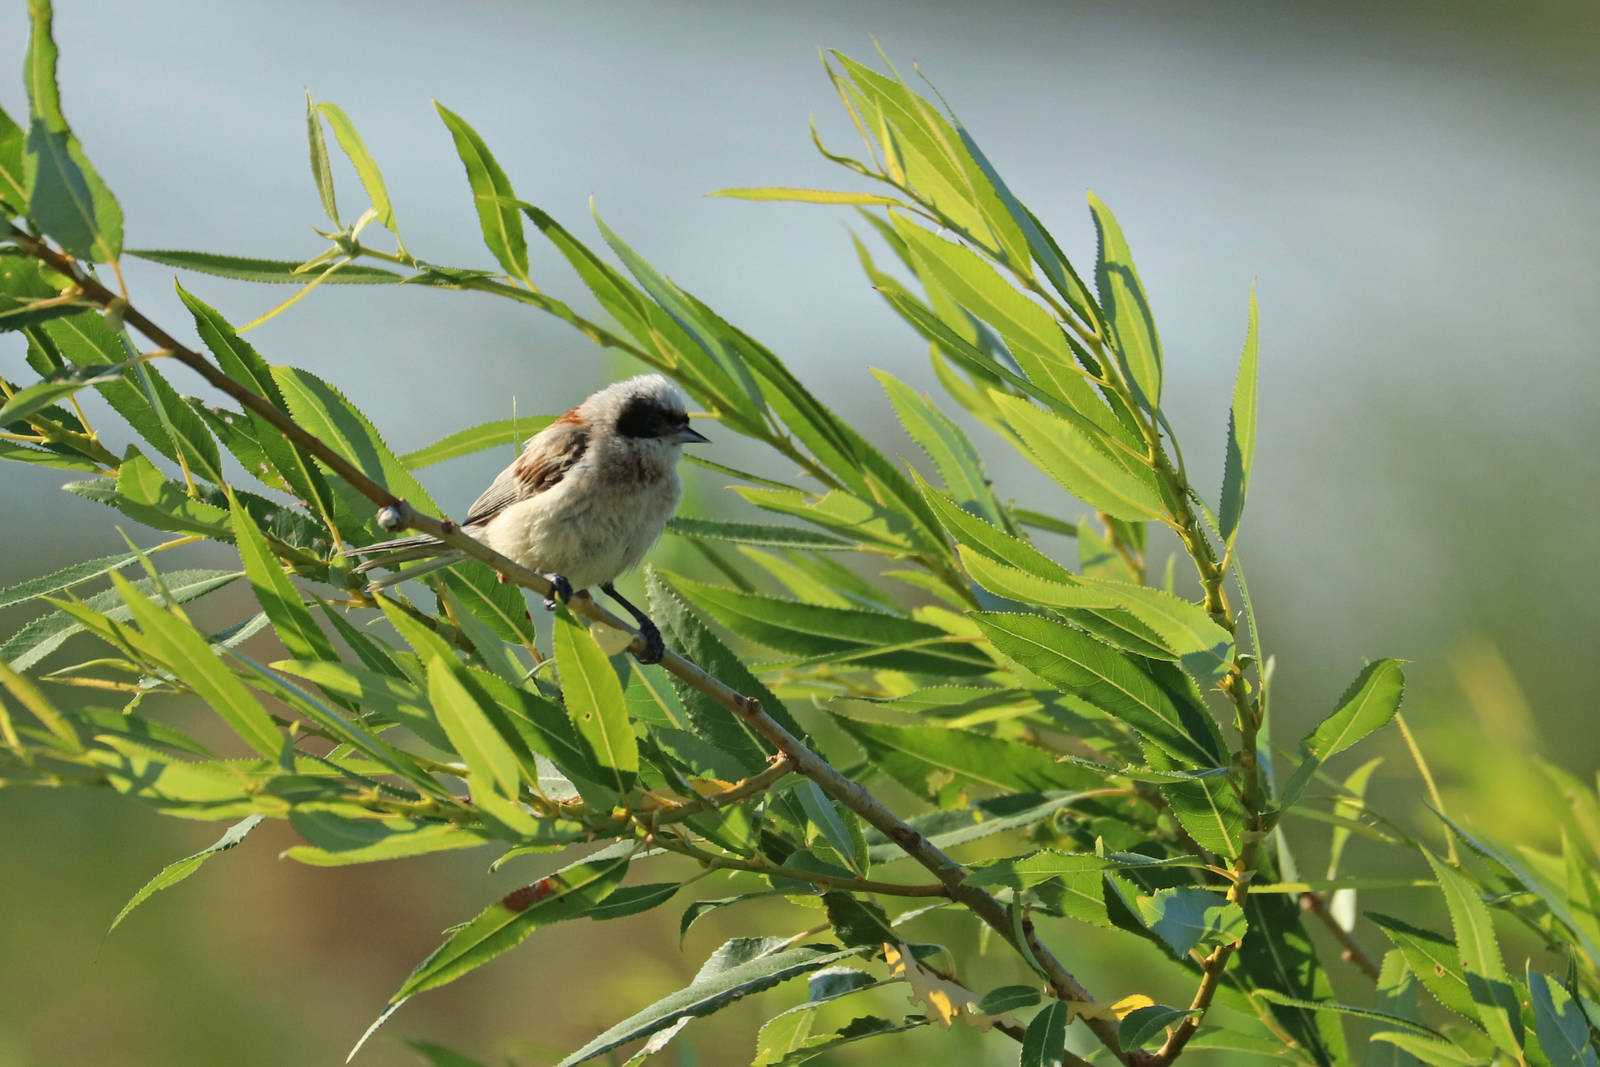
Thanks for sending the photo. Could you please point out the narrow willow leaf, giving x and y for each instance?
(843, 514)
(1044, 1043)
(1276, 954)
(976, 533)
(497, 605)
(814, 630)
(64, 578)
(489, 760)
(1133, 326)
(946, 444)
(1430, 1050)
(633, 899)
(1141, 1026)
(1081, 465)
(594, 699)
(1433, 959)
(1210, 811)
(1187, 917)
(13, 183)
(1563, 1030)
(335, 839)
(739, 968)
(43, 635)
(27, 402)
(28, 695)
(929, 759)
(390, 699)
(1241, 435)
(185, 652)
(175, 872)
(810, 196)
(68, 199)
(27, 290)
(751, 533)
(1346, 1009)
(276, 593)
(1493, 994)
(321, 173)
(1367, 705)
(254, 269)
(495, 434)
(498, 213)
(745, 750)
(325, 412)
(825, 815)
(142, 493)
(567, 894)
(1076, 663)
(361, 159)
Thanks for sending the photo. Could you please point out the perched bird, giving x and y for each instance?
(585, 500)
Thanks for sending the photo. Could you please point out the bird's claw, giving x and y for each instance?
(654, 646)
(560, 589)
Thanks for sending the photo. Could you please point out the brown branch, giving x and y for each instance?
(1353, 952)
(395, 513)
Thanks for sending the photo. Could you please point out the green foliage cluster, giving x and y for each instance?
(1091, 741)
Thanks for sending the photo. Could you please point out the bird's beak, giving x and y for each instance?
(689, 436)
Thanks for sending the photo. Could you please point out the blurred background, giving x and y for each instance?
(1413, 184)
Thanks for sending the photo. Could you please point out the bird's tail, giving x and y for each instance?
(400, 550)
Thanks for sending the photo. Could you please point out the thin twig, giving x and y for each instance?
(1353, 952)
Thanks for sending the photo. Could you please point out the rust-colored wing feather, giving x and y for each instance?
(551, 453)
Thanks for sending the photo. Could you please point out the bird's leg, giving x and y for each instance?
(562, 589)
(654, 646)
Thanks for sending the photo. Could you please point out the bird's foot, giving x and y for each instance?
(654, 646)
(561, 589)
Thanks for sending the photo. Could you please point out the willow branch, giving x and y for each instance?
(396, 514)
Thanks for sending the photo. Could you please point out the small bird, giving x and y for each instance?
(583, 503)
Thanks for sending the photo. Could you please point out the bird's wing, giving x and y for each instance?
(550, 454)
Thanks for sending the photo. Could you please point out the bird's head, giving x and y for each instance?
(647, 412)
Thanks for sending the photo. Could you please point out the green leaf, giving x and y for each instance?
(390, 699)
(946, 444)
(752, 533)
(595, 703)
(1563, 1030)
(321, 173)
(13, 183)
(1118, 485)
(809, 196)
(1493, 994)
(361, 159)
(745, 750)
(27, 694)
(64, 578)
(1367, 705)
(1133, 326)
(1433, 959)
(255, 269)
(1009, 998)
(181, 648)
(142, 493)
(1143, 1025)
(1209, 810)
(814, 630)
(35, 398)
(43, 635)
(1025, 872)
(1187, 917)
(476, 439)
(336, 839)
(930, 759)
(1044, 1043)
(1241, 435)
(23, 288)
(1076, 663)
(1430, 1050)
(633, 899)
(568, 894)
(739, 968)
(498, 213)
(173, 873)
(825, 815)
(325, 413)
(1276, 954)
(489, 759)
(276, 594)
(69, 201)
(802, 1049)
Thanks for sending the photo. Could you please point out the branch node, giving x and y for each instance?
(393, 517)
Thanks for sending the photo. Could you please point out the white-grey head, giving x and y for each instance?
(648, 413)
